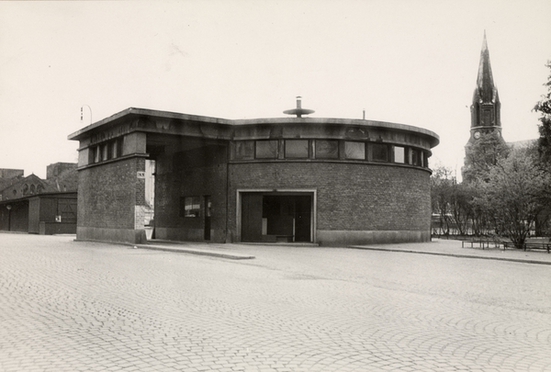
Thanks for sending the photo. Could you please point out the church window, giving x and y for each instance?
(487, 118)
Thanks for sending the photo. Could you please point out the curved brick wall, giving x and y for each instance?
(356, 202)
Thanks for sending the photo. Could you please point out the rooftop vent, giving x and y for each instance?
(299, 111)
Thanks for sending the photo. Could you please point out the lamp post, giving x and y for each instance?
(82, 113)
(8, 207)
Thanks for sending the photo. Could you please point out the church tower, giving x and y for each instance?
(486, 107)
(486, 144)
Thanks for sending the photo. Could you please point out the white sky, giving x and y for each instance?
(413, 62)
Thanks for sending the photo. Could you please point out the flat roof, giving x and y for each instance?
(132, 111)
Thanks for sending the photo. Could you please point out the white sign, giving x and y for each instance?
(141, 175)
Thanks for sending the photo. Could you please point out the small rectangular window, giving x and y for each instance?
(266, 149)
(399, 154)
(354, 150)
(113, 146)
(92, 155)
(190, 206)
(416, 157)
(327, 149)
(120, 143)
(104, 152)
(379, 152)
(97, 154)
(244, 150)
(296, 149)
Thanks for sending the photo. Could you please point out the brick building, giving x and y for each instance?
(39, 206)
(311, 180)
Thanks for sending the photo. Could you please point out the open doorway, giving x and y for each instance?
(149, 197)
(277, 217)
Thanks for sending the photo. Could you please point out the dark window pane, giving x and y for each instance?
(379, 152)
(354, 150)
(266, 149)
(244, 150)
(120, 146)
(296, 148)
(416, 157)
(97, 154)
(104, 152)
(327, 149)
(92, 155)
(190, 206)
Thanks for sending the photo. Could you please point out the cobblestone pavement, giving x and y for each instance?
(76, 306)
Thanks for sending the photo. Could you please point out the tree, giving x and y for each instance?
(544, 107)
(544, 148)
(516, 190)
(461, 206)
(451, 201)
(441, 181)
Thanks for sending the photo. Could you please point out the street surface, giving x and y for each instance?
(81, 306)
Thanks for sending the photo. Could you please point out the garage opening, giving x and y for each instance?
(277, 217)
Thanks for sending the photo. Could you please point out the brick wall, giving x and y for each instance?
(108, 194)
(356, 197)
(190, 173)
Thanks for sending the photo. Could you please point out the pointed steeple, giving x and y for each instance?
(485, 80)
(485, 119)
(486, 107)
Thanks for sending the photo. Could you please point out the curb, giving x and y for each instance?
(451, 255)
(199, 252)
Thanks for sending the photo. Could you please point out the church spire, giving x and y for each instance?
(486, 107)
(485, 81)
(485, 140)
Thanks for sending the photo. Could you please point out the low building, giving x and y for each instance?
(33, 205)
(311, 180)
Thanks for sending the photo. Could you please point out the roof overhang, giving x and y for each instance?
(131, 113)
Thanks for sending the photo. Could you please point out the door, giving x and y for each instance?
(251, 217)
(303, 218)
(208, 213)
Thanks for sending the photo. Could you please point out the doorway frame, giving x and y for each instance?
(313, 213)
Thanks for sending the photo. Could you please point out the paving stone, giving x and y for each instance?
(69, 306)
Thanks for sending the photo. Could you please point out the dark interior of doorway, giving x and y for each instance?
(276, 218)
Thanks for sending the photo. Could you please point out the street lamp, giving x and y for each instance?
(82, 113)
(8, 207)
